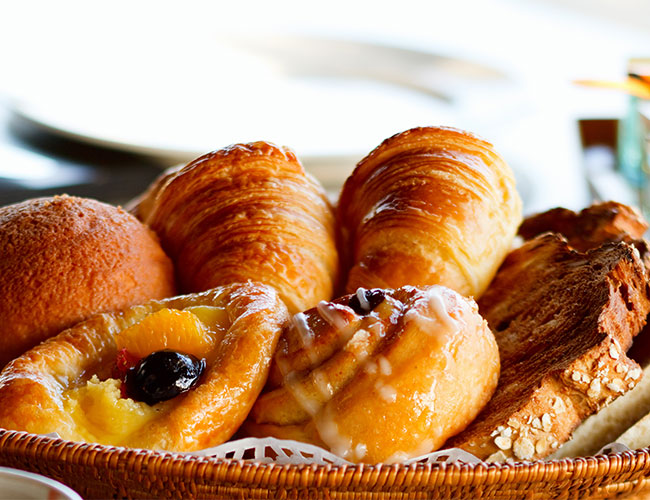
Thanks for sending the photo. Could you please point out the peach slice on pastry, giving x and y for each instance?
(380, 375)
(65, 385)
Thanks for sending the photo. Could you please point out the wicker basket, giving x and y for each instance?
(97, 471)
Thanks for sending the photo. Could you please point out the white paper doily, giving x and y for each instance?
(281, 451)
(284, 451)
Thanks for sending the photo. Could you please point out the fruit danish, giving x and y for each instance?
(64, 259)
(429, 206)
(179, 374)
(247, 212)
(380, 375)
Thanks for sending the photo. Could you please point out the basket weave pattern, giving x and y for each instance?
(97, 471)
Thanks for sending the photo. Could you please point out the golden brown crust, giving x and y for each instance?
(384, 386)
(249, 212)
(31, 386)
(599, 223)
(431, 205)
(65, 258)
(563, 320)
(142, 205)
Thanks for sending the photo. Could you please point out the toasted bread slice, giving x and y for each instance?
(563, 321)
(600, 223)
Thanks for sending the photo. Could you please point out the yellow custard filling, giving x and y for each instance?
(99, 413)
(102, 416)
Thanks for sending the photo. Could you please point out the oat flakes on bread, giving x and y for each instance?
(605, 427)
(563, 321)
(595, 225)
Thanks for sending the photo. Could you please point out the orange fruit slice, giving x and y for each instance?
(180, 331)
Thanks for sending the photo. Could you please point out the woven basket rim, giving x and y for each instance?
(182, 465)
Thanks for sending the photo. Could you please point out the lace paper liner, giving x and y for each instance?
(281, 451)
(284, 451)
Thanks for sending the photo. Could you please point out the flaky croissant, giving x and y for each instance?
(380, 375)
(247, 212)
(65, 385)
(431, 205)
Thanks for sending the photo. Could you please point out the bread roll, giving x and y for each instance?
(381, 375)
(66, 258)
(248, 212)
(429, 206)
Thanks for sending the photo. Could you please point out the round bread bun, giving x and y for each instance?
(63, 259)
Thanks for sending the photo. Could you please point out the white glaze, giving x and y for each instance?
(329, 432)
(363, 302)
(310, 405)
(306, 334)
(384, 366)
(387, 393)
(323, 385)
(358, 345)
(360, 451)
(437, 303)
(433, 301)
(330, 313)
(371, 367)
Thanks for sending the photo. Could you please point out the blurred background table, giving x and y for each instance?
(97, 98)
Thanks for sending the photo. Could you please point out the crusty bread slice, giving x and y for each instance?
(600, 223)
(563, 320)
(604, 427)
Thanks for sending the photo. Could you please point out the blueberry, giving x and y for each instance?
(163, 375)
(373, 298)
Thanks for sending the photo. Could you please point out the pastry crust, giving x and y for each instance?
(247, 212)
(431, 205)
(66, 258)
(32, 386)
(383, 386)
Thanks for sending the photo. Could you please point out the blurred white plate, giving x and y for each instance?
(330, 100)
(20, 485)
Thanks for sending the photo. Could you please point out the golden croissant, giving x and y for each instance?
(431, 205)
(380, 375)
(246, 212)
(68, 383)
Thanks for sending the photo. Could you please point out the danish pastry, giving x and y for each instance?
(66, 258)
(247, 212)
(68, 384)
(380, 375)
(431, 205)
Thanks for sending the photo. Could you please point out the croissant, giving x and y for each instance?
(380, 375)
(247, 212)
(67, 384)
(431, 205)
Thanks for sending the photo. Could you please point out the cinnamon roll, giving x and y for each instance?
(380, 375)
